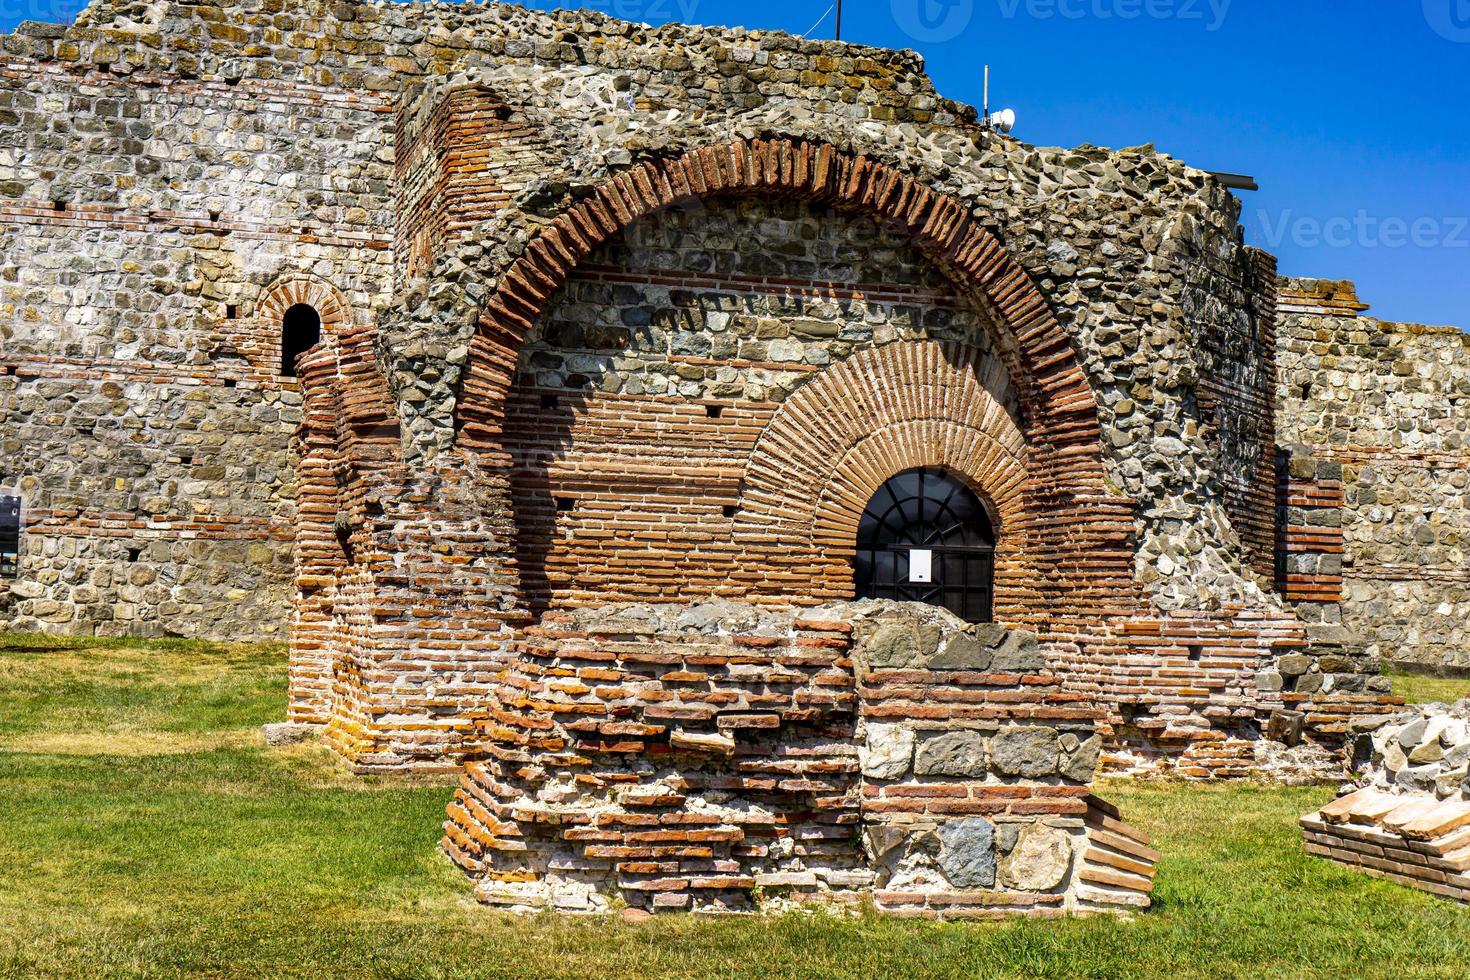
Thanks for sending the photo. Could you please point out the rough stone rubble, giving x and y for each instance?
(1406, 816)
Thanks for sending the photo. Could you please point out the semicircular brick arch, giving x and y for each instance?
(1081, 549)
(321, 296)
(882, 411)
(1053, 389)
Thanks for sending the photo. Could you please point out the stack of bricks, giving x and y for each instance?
(1410, 839)
(723, 757)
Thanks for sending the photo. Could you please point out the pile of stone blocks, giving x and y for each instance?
(1407, 818)
(1424, 749)
(729, 758)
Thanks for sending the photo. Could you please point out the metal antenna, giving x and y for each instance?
(985, 101)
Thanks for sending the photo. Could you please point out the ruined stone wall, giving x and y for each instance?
(720, 757)
(152, 234)
(434, 176)
(1122, 305)
(1388, 406)
(208, 158)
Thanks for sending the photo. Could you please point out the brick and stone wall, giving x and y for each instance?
(208, 156)
(613, 313)
(719, 756)
(652, 391)
(1385, 407)
(153, 230)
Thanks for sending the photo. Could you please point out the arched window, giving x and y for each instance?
(926, 537)
(301, 329)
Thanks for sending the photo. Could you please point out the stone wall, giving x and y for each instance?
(153, 231)
(1143, 555)
(1387, 404)
(208, 157)
(720, 757)
(519, 406)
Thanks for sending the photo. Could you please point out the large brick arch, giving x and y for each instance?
(884, 410)
(1053, 389)
(1081, 535)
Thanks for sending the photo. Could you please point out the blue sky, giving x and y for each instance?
(1351, 113)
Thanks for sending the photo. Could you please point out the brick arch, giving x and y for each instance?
(1081, 548)
(321, 296)
(881, 411)
(1052, 387)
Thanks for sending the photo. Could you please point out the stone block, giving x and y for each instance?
(1286, 727)
(962, 652)
(1018, 654)
(887, 752)
(1294, 665)
(894, 647)
(952, 754)
(1029, 751)
(1080, 765)
(1040, 860)
(967, 852)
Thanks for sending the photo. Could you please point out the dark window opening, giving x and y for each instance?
(230, 382)
(10, 507)
(549, 401)
(58, 205)
(231, 311)
(134, 554)
(714, 411)
(927, 537)
(564, 504)
(301, 330)
(1195, 652)
(730, 510)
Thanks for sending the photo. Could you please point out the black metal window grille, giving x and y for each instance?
(931, 510)
(10, 506)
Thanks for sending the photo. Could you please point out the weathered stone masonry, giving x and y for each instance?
(1384, 410)
(621, 330)
(1120, 338)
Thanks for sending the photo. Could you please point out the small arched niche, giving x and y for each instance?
(925, 536)
(301, 330)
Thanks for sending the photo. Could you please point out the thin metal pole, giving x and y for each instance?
(839, 20)
(985, 101)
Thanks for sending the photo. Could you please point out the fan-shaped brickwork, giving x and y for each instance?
(876, 414)
(290, 291)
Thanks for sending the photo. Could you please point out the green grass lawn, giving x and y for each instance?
(146, 830)
(1425, 689)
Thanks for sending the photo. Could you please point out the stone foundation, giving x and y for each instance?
(724, 757)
